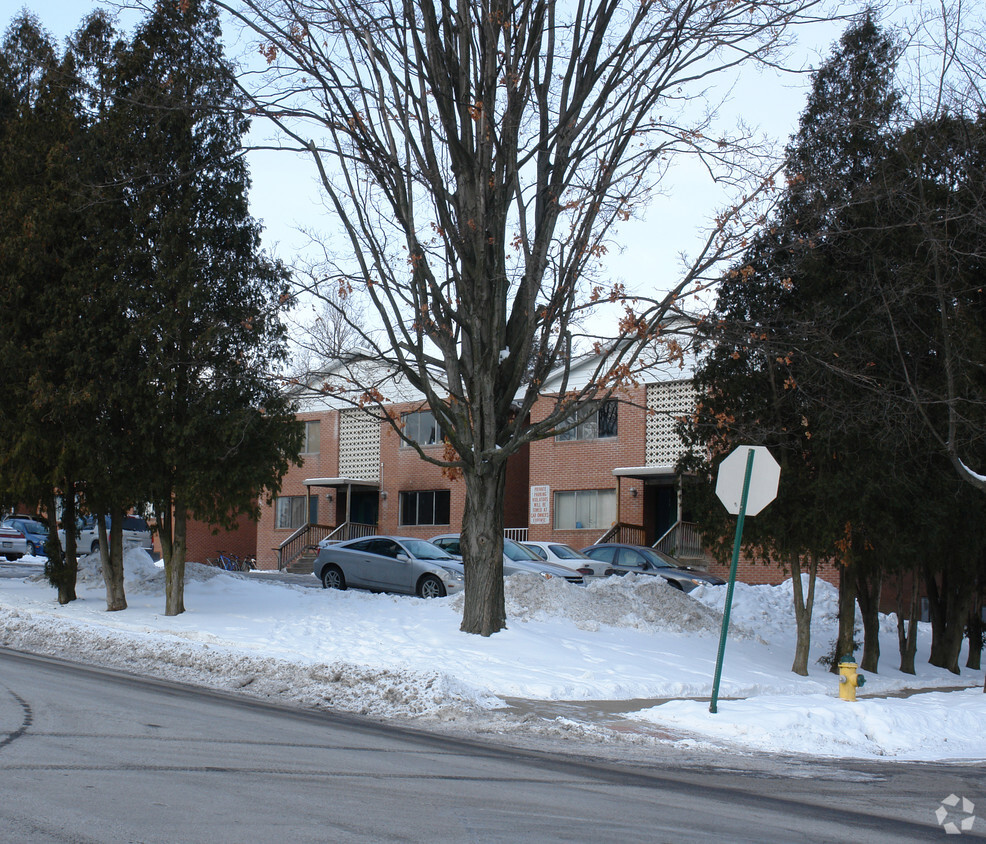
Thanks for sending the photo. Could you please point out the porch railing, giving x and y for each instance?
(351, 530)
(516, 534)
(681, 540)
(297, 542)
(622, 532)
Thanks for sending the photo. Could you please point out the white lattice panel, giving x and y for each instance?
(666, 403)
(359, 445)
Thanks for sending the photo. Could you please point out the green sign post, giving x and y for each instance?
(760, 474)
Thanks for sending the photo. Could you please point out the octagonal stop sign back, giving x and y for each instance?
(764, 476)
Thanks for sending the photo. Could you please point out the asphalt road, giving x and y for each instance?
(89, 755)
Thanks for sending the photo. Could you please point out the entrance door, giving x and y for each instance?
(665, 509)
(365, 508)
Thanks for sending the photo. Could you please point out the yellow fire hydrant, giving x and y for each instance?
(849, 680)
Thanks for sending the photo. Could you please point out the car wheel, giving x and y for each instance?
(333, 578)
(94, 548)
(675, 584)
(32, 551)
(431, 587)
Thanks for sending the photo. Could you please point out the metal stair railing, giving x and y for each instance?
(294, 546)
(682, 540)
(351, 530)
(622, 532)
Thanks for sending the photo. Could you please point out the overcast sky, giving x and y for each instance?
(285, 196)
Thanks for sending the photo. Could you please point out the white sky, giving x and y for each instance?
(285, 196)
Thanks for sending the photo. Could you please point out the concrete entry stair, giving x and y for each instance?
(303, 563)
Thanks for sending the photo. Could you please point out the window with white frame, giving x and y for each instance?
(422, 428)
(294, 511)
(585, 509)
(429, 507)
(601, 424)
(311, 445)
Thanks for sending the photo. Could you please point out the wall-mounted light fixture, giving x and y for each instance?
(633, 492)
(328, 496)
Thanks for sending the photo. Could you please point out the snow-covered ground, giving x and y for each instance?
(643, 647)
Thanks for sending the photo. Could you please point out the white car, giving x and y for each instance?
(136, 534)
(13, 543)
(516, 559)
(566, 555)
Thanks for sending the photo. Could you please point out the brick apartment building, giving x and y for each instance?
(615, 469)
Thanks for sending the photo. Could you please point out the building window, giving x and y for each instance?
(425, 508)
(587, 509)
(601, 424)
(291, 512)
(311, 438)
(421, 427)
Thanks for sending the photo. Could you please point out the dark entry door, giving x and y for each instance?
(365, 507)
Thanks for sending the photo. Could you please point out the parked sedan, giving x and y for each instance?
(35, 532)
(640, 559)
(566, 555)
(13, 543)
(389, 564)
(516, 559)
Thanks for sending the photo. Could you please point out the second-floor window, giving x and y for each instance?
(599, 425)
(311, 445)
(422, 428)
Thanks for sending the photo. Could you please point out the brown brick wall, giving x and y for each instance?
(589, 464)
(325, 464)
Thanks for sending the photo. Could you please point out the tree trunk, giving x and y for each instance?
(802, 611)
(950, 603)
(974, 633)
(62, 571)
(974, 629)
(868, 588)
(111, 557)
(845, 643)
(174, 564)
(907, 637)
(482, 550)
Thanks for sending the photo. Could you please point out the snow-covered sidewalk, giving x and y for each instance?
(617, 639)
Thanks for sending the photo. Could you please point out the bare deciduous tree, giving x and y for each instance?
(479, 157)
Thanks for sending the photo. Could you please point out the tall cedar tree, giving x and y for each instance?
(202, 298)
(760, 381)
(49, 258)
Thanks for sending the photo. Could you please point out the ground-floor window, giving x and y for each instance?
(294, 511)
(585, 509)
(425, 508)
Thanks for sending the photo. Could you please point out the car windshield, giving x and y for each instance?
(516, 551)
(563, 552)
(655, 559)
(422, 550)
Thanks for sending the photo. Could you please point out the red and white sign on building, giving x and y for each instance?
(540, 505)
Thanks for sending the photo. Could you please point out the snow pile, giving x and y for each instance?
(566, 651)
(141, 575)
(638, 602)
(935, 725)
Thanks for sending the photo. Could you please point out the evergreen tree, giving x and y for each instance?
(765, 377)
(202, 298)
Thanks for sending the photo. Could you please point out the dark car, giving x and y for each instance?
(389, 564)
(35, 532)
(640, 559)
